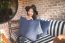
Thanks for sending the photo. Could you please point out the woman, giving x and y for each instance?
(30, 25)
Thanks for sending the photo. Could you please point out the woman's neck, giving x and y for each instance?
(29, 18)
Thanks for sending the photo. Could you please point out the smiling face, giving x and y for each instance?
(30, 12)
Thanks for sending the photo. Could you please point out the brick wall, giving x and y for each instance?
(47, 9)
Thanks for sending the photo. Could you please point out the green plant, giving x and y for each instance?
(1, 41)
(5, 10)
(8, 9)
(1, 38)
(4, 4)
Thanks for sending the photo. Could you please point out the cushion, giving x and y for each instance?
(56, 27)
(45, 26)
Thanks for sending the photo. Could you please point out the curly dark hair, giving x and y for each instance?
(34, 10)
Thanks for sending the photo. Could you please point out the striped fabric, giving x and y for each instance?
(56, 28)
(42, 39)
(45, 39)
(22, 39)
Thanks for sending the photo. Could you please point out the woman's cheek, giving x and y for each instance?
(30, 13)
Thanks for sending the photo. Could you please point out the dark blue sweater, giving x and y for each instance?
(30, 28)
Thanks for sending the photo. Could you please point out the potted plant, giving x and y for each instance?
(5, 10)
